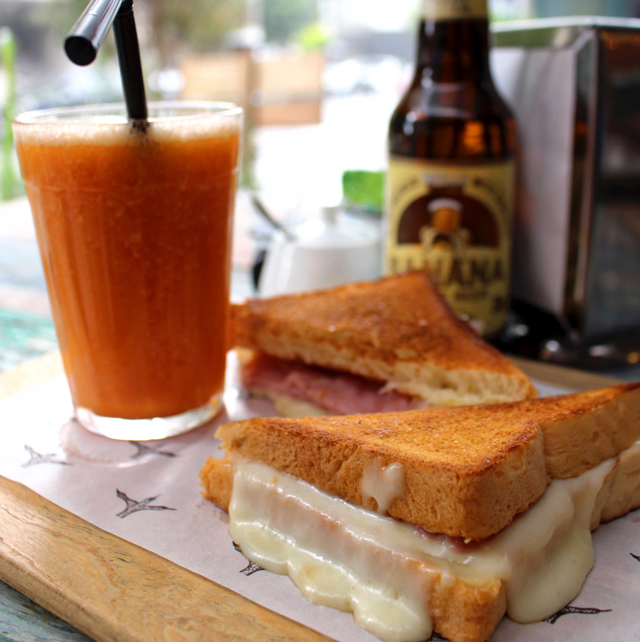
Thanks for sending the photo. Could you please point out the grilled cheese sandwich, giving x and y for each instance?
(385, 345)
(405, 548)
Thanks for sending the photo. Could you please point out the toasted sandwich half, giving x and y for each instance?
(439, 519)
(377, 346)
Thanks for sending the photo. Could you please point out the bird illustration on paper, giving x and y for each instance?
(37, 458)
(133, 506)
(569, 610)
(251, 567)
(144, 449)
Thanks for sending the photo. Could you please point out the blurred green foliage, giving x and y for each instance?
(284, 18)
(312, 37)
(363, 191)
(10, 184)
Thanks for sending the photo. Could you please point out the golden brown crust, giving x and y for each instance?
(464, 612)
(217, 482)
(470, 613)
(620, 492)
(461, 611)
(394, 329)
(584, 429)
(467, 471)
(456, 464)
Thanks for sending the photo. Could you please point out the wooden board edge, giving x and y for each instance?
(115, 591)
(570, 378)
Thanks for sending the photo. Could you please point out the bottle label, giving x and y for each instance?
(455, 221)
(453, 9)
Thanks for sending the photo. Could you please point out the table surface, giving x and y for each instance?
(28, 356)
(21, 620)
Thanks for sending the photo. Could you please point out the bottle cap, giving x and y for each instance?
(453, 9)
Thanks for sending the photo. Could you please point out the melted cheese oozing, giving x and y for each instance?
(290, 407)
(382, 483)
(382, 570)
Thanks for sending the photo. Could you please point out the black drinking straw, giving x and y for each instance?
(89, 32)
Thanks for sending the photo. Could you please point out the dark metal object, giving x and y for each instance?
(552, 33)
(260, 208)
(574, 85)
(88, 34)
(124, 30)
(536, 334)
(606, 351)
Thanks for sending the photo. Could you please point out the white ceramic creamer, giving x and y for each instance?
(322, 253)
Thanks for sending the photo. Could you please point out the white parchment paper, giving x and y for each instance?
(149, 493)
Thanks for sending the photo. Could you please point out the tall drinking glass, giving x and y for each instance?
(134, 228)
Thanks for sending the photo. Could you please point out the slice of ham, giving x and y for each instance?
(339, 393)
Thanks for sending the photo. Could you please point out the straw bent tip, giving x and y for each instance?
(80, 50)
(89, 32)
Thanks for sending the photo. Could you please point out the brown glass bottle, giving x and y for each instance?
(451, 176)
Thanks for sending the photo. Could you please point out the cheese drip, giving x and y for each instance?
(382, 483)
(382, 570)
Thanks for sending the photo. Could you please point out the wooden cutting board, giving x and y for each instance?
(114, 591)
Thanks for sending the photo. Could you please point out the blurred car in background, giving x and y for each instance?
(367, 73)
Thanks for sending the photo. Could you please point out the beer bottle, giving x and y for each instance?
(451, 180)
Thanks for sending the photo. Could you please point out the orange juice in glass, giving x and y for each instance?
(134, 228)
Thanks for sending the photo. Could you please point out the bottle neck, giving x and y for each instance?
(454, 50)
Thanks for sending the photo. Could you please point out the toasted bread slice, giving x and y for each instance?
(467, 471)
(584, 429)
(464, 611)
(396, 330)
(465, 475)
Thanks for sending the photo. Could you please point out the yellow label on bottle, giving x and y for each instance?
(455, 221)
(453, 9)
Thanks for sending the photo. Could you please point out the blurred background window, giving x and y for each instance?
(172, 30)
(318, 80)
(290, 63)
